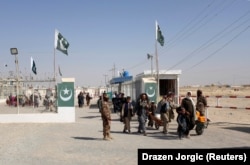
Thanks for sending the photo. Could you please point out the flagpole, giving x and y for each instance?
(157, 69)
(55, 57)
(54, 65)
(156, 61)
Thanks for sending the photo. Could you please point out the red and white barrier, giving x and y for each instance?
(222, 96)
(218, 97)
(247, 108)
(230, 96)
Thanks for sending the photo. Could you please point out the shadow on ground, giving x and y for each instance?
(241, 129)
(93, 106)
(226, 125)
(90, 117)
(86, 138)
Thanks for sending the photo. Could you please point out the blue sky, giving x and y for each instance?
(208, 40)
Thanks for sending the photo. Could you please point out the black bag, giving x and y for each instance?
(163, 108)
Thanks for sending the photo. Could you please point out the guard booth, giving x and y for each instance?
(168, 82)
(145, 82)
(117, 82)
(146, 85)
(135, 87)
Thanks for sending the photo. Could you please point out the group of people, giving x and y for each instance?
(126, 112)
(81, 97)
(144, 109)
(24, 100)
(187, 113)
(118, 100)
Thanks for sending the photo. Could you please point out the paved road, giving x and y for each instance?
(81, 142)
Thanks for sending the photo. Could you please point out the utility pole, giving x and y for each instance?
(106, 82)
(14, 52)
(113, 71)
(149, 56)
(105, 79)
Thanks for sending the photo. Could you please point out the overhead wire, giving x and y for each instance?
(178, 34)
(201, 22)
(219, 49)
(213, 39)
(192, 29)
(187, 28)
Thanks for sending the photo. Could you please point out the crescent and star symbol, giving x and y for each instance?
(67, 93)
(152, 94)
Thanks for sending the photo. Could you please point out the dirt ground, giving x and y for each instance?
(239, 114)
(80, 142)
(217, 91)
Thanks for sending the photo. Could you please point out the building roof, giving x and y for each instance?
(161, 72)
(117, 80)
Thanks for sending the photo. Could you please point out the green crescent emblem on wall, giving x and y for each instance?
(66, 94)
(150, 89)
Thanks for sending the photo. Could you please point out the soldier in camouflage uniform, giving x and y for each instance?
(106, 117)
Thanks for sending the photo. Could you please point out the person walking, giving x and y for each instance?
(80, 99)
(164, 107)
(183, 122)
(37, 97)
(88, 98)
(201, 103)
(172, 104)
(126, 114)
(142, 105)
(167, 113)
(120, 101)
(189, 106)
(115, 102)
(151, 110)
(99, 103)
(106, 117)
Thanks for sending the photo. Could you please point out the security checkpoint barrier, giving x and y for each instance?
(218, 101)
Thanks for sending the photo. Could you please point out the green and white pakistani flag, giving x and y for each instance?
(61, 43)
(159, 36)
(33, 65)
(59, 70)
